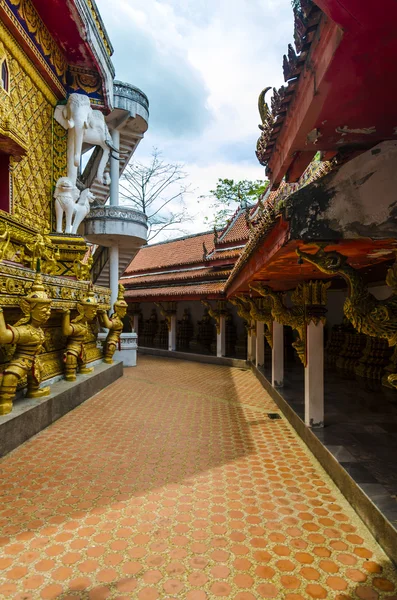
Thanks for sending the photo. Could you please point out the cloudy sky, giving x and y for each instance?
(202, 64)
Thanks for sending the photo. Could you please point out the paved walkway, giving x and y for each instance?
(174, 483)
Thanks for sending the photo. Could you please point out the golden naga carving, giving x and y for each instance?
(309, 300)
(114, 324)
(376, 318)
(217, 313)
(167, 312)
(243, 311)
(266, 126)
(78, 333)
(28, 337)
(261, 310)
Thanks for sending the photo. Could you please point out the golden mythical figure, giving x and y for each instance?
(114, 324)
(77, 332)
(28, 337)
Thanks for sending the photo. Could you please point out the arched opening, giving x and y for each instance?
(5, 78)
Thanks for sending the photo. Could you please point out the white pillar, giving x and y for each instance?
(253, 341)
(251, 344)
(114, 171)
(136, 324)
(114, 274)
(221, 337)
(278, 355)
(260, 344)
(172, 334)
(314, 376)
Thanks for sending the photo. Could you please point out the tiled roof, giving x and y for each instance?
(227, 253)
(238, 231)
(201, 289)
(183, 251)
(273, 207)
(140, 280)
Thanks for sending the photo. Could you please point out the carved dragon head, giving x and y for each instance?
(328, 262)
(263, 290)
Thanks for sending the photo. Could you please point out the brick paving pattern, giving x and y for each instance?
(173, 483)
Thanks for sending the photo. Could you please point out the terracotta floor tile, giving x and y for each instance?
(174, 493)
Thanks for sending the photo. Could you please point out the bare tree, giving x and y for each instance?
(157, 190)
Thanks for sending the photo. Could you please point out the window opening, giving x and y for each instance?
(4, 76)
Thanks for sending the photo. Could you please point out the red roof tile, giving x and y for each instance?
(183, 251)
(138, 281)
(201, 289)
(238, 231)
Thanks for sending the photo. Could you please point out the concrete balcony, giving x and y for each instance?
(116, 226)
(129, 118)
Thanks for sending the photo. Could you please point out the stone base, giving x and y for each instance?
(128, 357)
(32, 415)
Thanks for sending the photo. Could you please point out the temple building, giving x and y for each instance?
(58, 100)
(317, 278)
(175, 292)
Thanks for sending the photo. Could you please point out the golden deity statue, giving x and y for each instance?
(28, 337)
(114, 324)
(77, 332)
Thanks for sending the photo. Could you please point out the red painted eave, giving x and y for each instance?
(342, 98)
(65, 25)
(262, 255)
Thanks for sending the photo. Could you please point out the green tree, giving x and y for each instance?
(229, 195)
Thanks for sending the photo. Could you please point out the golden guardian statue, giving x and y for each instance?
(28, 337)
(114, 324)
(77, 333)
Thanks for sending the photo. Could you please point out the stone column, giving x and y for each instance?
(114, 274)
(221, 337)
(172, 333)
(314, 375)
(114, 171)
(278, 355)
(260, 344)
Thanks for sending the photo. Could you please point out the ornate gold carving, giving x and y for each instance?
(28, 338)
(15, 49)
(376, 318)
(261, 310)
(167, 312)
(60, 142)
(82, 269)
(114, 324)
(309, 300)
(243, 311)
(99, 26)
(65, 293)
(38, 38)
(216, 313)
(30, 112)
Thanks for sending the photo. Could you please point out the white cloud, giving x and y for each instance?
(202, 64)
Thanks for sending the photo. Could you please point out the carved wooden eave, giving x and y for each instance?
(326, 105)
(337, 210)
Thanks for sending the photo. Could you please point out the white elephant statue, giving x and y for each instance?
(66, 194)
(82, 208)
(87, 126)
